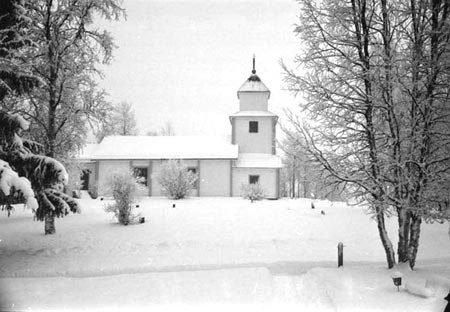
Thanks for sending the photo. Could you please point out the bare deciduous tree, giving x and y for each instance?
(119, 121)
(372, 82)
(65, 50)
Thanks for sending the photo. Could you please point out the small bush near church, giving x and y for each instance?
(93, 192)
(124, 188)
(252, 191)
(175, 179)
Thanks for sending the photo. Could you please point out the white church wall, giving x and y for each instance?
(139, 163)
(267, 180)
(215, 177)
(260, 142)
(155, 186)
(252, 101)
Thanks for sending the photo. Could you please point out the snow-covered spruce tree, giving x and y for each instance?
(46, 176)
(124, 188)
(15, 72)
(175, 178)
(25, 177)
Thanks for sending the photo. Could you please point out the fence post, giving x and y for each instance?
(340, 254)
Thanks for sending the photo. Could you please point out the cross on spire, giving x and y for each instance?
(254, 70)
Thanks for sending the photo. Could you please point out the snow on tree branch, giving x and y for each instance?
(16, 187)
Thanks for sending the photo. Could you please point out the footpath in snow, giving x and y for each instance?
(215, 251)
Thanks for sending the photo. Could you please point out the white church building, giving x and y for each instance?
(222, 165)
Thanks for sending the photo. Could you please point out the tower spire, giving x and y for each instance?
(254, 70)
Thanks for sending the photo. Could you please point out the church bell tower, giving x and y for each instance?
(253, 126)
(253, 130)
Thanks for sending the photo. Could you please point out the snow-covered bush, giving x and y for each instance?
(252, 191)
(175, 179)
(93, 192)
(124, 188)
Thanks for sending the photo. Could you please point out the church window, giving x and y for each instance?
(253, 179)
(253, 126)
(141, 173)
(193, 170)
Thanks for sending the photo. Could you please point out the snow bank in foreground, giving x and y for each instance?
(215, 253)
(356, 288)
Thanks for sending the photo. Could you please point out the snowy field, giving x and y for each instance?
(215, 253)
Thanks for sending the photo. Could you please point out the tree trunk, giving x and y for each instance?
(51, 133)
(414, 240)
(293, 184)
(387, 244)
(49, 220)
(404, 222)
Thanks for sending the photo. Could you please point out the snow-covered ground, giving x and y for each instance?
(220, 253)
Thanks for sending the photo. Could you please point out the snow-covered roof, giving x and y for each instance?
(253, 84)
(164, 147)
(258, 160)
(253, 114)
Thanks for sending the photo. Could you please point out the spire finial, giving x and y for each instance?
(254, 70)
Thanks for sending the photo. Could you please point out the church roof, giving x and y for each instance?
(253, 83)
(253, 114)
(163, 147)
(86, 152)
(258, 160)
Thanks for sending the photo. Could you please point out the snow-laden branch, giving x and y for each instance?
(16, 187)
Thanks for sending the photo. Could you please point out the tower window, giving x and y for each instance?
(253, 179)
(253, 127)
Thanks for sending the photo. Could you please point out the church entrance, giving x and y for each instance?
(85, 179)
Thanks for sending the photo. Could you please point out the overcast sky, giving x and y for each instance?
(183, 61)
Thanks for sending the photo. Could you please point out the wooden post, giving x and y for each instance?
(340, 254)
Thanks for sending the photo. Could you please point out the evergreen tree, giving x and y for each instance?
(25, 176)
(36, 180)
(15, 73)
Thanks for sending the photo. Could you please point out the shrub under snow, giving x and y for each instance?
(175, 179)
(124, 189)
(252, 191)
